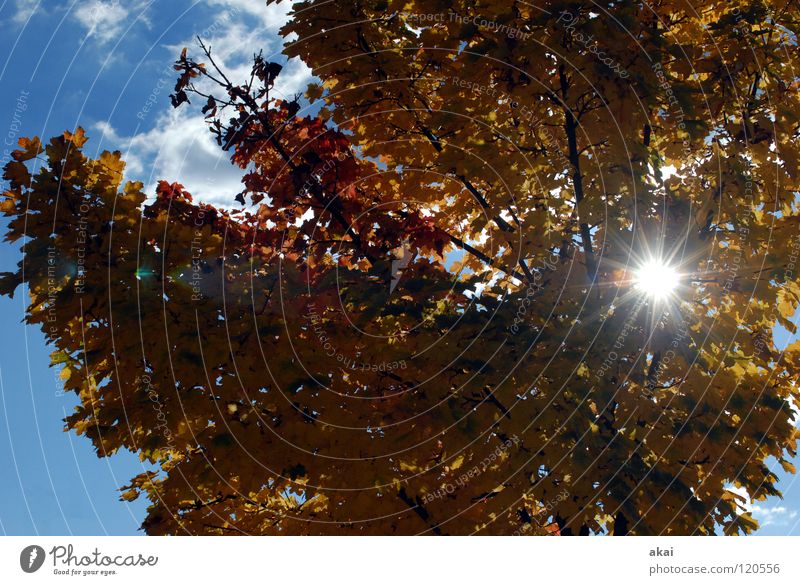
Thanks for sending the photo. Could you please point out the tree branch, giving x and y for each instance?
(570, 127)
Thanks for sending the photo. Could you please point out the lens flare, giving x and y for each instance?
(657, 279)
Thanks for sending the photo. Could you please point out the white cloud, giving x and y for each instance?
(773, 515)
(239, 31)
(178, 149)
(105, 20)
(25, 10)
(179, 146)
(273, 16)
(745, 505)
(766, 515)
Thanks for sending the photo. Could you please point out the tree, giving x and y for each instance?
(428, 320)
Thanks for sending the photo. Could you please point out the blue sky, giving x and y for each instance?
(96, 63)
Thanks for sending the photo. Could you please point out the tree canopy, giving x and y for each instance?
(426, 318)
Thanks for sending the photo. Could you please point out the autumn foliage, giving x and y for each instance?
(425, 320)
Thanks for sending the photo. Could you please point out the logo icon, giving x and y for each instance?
(31, 558)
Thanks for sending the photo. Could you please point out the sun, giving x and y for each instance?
(657, 279)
